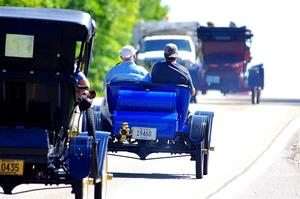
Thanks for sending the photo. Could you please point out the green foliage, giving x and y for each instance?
(152, 10)
(35, 3)
(115, 20)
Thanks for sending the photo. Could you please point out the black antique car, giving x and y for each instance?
(42, 140)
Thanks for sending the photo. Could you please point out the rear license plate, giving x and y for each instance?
(11, 167)
(143, 133)
(212, 79)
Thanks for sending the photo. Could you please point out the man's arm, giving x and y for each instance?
(190, 83)
(193, 91)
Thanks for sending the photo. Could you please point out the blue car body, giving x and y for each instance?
(134, 111)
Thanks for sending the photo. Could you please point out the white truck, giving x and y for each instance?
(151, 37)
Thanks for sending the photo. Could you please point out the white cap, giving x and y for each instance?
(127, 51)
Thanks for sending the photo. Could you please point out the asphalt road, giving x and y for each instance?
(281, 179)
(241, 134)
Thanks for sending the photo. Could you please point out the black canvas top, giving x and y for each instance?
(223, 33)
(224, 45)
(54, 34)
(49, 14)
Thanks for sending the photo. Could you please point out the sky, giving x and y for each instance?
(274, 23)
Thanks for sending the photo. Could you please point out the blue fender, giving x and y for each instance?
(80, 156)
(102, 138)
(210, 116)
(197, 128)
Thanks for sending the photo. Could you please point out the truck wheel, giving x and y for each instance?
(199, 160)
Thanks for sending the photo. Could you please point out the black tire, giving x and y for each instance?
(207, 138)
(98, 190)
(258, 96)
(206, 154)
(97, 118)
(90, 121)
(253, 95)
(78, 189)
(7, 188)
(199, 160)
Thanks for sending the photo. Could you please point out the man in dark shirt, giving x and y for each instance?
(169, 71)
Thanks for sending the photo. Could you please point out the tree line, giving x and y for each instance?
(114, 19)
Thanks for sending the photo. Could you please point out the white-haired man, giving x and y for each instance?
(127, 70)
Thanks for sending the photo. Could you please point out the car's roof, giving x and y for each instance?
(67, 16)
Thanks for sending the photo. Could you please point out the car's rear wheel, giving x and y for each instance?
(206, 154)
(199, 160)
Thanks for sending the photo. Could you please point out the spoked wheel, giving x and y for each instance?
(199, 160)
(207, 137)
(86, 188)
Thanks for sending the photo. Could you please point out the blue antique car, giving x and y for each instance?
(41, 138)
(146, 118)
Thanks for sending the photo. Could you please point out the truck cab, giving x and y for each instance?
(151, 37)
(152, 50)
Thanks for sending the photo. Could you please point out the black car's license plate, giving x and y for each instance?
(11, 167)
